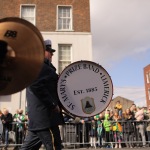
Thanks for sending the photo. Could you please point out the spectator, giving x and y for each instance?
(128, 128)
(67, 117)
(26, 120)
(14, 124)
(111, 115)
(118, 107)
(100, 130)
(107, 127)
(16, 114)
(7, 126)
(20, 127)
(93, 134)
(117, 128)
(148, 124)
(1, 127)
(139, 116)
(86, 126)
(26, 123)
(133, 109)
(1, 114)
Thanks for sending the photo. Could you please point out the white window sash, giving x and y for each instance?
(28, 13)
(64, 18)
(64, 56)
(149, 94)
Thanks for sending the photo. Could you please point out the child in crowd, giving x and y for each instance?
(99, 133)
(117, 129)
(107, 127)
(99, 119)
(118, 107)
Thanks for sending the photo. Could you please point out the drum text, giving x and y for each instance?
(76, 92)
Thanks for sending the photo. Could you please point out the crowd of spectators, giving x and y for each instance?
(115, 128)
(14, 127)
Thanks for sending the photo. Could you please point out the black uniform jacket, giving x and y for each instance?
(42, 98)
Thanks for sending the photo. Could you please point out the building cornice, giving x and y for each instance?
(66, 33)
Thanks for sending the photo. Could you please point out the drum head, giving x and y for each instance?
(85, 88)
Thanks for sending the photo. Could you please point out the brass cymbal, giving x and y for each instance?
(21, 54)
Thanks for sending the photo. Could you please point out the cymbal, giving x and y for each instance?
(21, 54)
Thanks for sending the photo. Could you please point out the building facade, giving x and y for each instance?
(65, 22)
(147, 83)
(126, 103)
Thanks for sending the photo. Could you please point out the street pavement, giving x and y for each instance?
(140, 148)
(137, 148)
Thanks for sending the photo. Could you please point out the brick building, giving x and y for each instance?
(147, 83)
(65, 22)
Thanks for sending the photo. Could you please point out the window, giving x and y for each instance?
(28, 13)
(148, 77)
(64, 18)
(149, 94)
(64, 56)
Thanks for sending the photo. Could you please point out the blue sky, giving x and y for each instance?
(129, 71)
(121, 43)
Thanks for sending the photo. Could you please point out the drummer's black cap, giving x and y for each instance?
(48, 46)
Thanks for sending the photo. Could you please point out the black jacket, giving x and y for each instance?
(42, 98)
(8, 121)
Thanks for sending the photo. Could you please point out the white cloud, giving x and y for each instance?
(136, 94)
(120, 28)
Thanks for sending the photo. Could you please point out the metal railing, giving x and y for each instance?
(132, 134)
(77, 135)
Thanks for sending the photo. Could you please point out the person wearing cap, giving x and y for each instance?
(56, 118)
(43, 107)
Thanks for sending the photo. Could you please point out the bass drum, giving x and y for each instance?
(85, 89)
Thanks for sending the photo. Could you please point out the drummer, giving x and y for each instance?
(43, 107)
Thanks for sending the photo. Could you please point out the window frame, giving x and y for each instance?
(148, 93)
(28, 5)
(71, 18)
(148, 77)
(64, 60)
